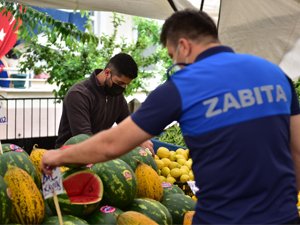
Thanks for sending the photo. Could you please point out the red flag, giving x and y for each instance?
(8, 33)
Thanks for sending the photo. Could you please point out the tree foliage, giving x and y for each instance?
(69, 54)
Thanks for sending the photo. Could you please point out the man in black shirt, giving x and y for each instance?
(97, 103)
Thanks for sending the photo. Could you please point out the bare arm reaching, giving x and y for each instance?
(104, 146)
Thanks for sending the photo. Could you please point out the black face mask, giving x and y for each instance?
(114, 90)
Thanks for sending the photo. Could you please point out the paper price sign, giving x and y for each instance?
(193, 186)
(52, 184)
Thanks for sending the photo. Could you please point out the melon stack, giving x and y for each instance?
(174, 166)
(126, 190)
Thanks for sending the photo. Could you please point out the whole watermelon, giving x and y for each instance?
(171, 189)
(83, 193)
(105, 215)
(77, 139)
(8, 147)
(178, 205)
(153, 209)
(68, 220)
(119, 182)
(139, 154)
(21, 160)
(5, 203)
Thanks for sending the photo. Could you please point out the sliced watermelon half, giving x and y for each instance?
(83, 187)
(83, 193)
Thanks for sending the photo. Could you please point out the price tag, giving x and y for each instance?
(193, 186)
(52, 184)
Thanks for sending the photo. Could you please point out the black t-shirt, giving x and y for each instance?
(87, 109)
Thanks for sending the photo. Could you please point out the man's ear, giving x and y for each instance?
(107, 71)
(185, 45)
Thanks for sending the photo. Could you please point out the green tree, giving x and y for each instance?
(69, 54)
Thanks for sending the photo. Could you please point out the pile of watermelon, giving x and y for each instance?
(126, 190)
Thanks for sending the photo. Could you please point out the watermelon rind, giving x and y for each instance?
(8, 147)
(77, 139)
(21, 160)
(153, 209)
(139, 155)
(78, 209)
(120, 185)
(67, 220)
(104, 215)
(171, 189)
(5, 203)
(178, 205)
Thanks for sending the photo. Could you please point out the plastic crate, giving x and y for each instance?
(171, 147)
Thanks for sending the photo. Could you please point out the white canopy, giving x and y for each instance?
(156, 9)
(267, 28)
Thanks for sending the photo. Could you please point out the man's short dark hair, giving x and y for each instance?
(123, 64)
(190, 24)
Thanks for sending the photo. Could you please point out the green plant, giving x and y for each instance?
(69, 54)
(297, 87)
(172, 135)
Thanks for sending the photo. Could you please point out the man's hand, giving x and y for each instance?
(50, 160)
(149, 145)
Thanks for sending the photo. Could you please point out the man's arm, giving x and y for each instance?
(295, 145)
(104, 146)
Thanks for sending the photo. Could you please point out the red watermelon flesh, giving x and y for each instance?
(83, 187)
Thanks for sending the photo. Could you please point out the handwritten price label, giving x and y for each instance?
(193, 186)
(52, 183)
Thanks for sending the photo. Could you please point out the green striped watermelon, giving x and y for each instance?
(77, 139)
(171, 189)
(5, 203)
(83, 193)
(48, 210)
(178, 205)
(119, 182)
(67, 219)
(21, 160)
(139, 154)
(105, 215)
(153, 209)
(7, 147)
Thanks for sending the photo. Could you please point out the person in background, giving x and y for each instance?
(97, 103)
(239, 116)
(4, 74)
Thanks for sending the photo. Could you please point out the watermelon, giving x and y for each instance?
(105, 215)
(48, 211)
(77, 139)
(139, 154)
(153, 209)
(12, 147)
(67, 219)
(21, 160)
(171, 189)
(83, 193)
(5, 203)
(178, 205)
(119, 182)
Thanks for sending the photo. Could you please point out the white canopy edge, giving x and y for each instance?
(266, 28)
(155, 9)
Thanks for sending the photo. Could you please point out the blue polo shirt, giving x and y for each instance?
(234, 111)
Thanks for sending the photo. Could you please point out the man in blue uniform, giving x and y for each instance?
(239, 115)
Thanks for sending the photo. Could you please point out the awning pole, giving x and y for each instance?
(172, 4)
(202, 4)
